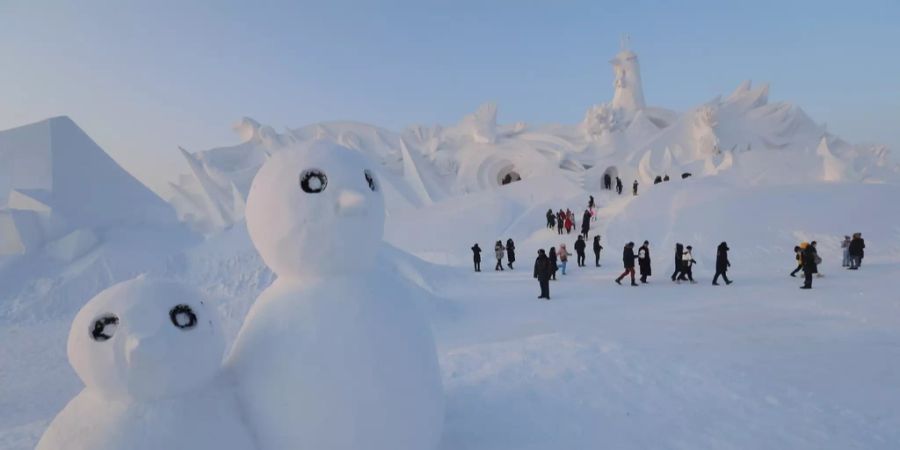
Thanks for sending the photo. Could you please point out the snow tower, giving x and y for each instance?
(629, 94)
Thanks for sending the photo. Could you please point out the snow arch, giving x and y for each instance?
(508, 175)
(612, 172)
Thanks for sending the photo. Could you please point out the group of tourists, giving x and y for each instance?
(684, 262)
(500, 251)
(808, 259)
(608, 184)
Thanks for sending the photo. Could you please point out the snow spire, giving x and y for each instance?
(629, 94)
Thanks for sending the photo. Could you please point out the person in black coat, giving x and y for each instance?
(687, 264)
(591, 203)
(679, 252)
(586, 223)
(634, 187)
(551, 219)
(607, 182)
(510, 253)
(722, 264)
(666, 178)
(597, 248)
(644, 261)
(579, 250)
(543, 270)
(476, 257)
(619, 185)
(810, 264)
(553, 264)
(856, 250)
(560, 221)
(628, 261)
(657, 180)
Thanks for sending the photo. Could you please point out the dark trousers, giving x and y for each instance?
(499, 265)
(677, 273)
(688, 273)
(799, 268)
(545, 287)
(628, 271)
(807, 279)
(477, 265)
(581, 259)
(559, 229)
(597, 259)
(722, 273)
(643, 277)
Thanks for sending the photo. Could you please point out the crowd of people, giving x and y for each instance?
(637, 264)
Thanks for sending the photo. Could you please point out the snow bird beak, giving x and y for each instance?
(351, 203)
(142, 351)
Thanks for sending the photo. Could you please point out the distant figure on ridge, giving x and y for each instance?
(510, 253)
(476, 257)
(628, 261)
(597, 248)
(666, 178)
(543, 270)
(722, 264)
(644, 261)
(499, 251)
(657, 180)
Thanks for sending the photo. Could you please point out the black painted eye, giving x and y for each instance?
(313, 181)
(104, 327)
(370, 179)
(183, 317)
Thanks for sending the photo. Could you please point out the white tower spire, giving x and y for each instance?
(629, 93)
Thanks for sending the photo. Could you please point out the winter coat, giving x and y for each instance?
(722, 263)
(563, 254)
(476, 253)
(579, 246)
(552, 257)
(543, 268)
(687, 259)
(679, 255)
(628, 257)
(597, 246)
(857, 246)
(644, 260)
(499, 251)
(810, 257)
(586, 222)
(511, 251)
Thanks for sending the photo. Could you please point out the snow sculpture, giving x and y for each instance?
(704, 134)
(334, 355)
(599, 120)
(149, 353)
(629, 92)
(481, 126)
(833, 168)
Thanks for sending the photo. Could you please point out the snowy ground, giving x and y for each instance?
(759, 364)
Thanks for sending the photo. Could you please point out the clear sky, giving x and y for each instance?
(144, 77)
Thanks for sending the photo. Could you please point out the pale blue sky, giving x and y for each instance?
(145, 77)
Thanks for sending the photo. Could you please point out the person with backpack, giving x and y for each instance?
(628, 258)
(579, 250)
(476, 257)
(644, 261)
(857, 250)
(679, 253)
(510, 253)
(563, 255)
(798, 256)
(543, 270)
(687, 264)
(553, 262)
(722, 264)
(810, 266)
(597, 248)
(499, 251)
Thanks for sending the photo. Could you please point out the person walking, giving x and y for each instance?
(597, 248)
(679, 253)
(510, 253)
(553, 263)
(666, 178)
(857, 250)
(543, 269)
(591, 203)
(499, 252)
(607, 181)
(579, 250)
(687, 265)
(798, 256)
(560, 221)
(570, 221)
(810, 266)
(476, 257)
(657, 180)
(644, 261)
(634, 188)
(722, 264)
(845, 248)
(563, 255)
(628, 261)
(619, 185)
(586, 223)
(551, 219)
(815, 249)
